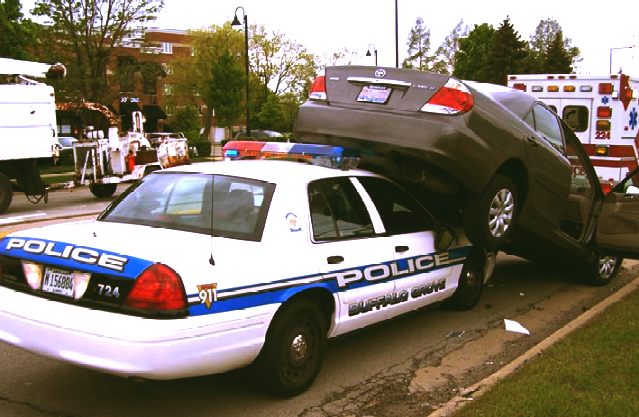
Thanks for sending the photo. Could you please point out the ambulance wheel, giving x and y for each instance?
(293, 352)
(489, 217)
(471, 282)
(603, 270)
(6, 193)
(103, 190)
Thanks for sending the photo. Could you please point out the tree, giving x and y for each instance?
(507, 54)
(471, 60)
(221, 89)
(418, 47)
(445, 54)
(17, 32)
(540, 42)
(89, 30)
(281, 64)
(557, 58)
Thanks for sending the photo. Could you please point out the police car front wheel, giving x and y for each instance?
(294, 349)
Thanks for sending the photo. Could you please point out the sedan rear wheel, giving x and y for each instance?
(489, 217)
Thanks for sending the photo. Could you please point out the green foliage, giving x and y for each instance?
(557, 58)
(507, 54)
(471, 60)
(17, 33)
(225, 89)
(187, 120)
(86, 33)
(542, 59)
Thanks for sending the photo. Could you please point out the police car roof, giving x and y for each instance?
(268, 170)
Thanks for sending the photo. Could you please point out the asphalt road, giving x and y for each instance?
(404, 367)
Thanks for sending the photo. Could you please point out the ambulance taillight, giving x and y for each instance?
(605, 88)
(604, 112)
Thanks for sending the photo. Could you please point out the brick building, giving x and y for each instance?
(142, 67)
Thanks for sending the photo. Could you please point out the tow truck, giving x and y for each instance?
(102, 161)
(601, 110)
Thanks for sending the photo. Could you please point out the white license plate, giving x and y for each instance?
(58, 281)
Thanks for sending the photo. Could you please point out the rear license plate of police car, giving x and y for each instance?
(58, 281)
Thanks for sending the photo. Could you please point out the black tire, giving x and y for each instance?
(603, 270)
(293, 352)
(471, 282)
(6, 193)
(103, 190)
(489, 217)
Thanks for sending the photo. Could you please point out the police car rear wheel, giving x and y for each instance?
(471, 282)
(294, 349)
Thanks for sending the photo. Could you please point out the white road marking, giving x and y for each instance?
(18, 219)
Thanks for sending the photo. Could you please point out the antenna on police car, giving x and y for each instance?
(211, 260)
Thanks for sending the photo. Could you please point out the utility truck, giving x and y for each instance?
(601, 110)
(28, 129)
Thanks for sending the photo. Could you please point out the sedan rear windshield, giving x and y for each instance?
(183, 201)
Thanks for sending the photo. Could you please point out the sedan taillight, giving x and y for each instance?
(318, 89)
(452, 98)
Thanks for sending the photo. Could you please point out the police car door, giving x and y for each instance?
(351, 253)
(421, 275)
(618, 225)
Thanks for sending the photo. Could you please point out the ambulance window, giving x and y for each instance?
(547, 125)
(576, 117)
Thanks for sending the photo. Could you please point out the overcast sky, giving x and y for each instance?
(326, 26)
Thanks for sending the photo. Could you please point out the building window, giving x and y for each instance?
(168, 89)
(169, 109)
(167, 48)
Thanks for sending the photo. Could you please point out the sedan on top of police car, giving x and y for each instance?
(205, 268)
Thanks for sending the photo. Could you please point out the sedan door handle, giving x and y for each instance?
(336, 259)
(532, 140)
(400, 249)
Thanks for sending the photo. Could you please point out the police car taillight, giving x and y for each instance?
(452, 98)
(158, 289)
(318, 89)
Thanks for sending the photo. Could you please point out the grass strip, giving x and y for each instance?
(593, 372)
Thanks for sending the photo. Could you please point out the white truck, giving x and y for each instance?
(28, 128)
(601, 110)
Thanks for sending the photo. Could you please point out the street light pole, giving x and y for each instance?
(396, 39)
(368, 52)
(236, 22)
(621, 47)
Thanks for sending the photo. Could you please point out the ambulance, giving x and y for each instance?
(601, 110)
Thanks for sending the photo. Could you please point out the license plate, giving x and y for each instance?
(374, 94)
(58, 281)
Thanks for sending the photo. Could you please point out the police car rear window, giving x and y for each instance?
(220, 205)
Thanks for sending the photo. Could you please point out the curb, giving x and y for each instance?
(479, 388)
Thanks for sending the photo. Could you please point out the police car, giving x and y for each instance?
(205, 268)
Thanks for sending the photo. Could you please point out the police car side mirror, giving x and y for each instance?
(444, 237)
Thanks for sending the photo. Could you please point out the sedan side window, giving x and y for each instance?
(400, 213)
(547, 125)
(337, 210)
